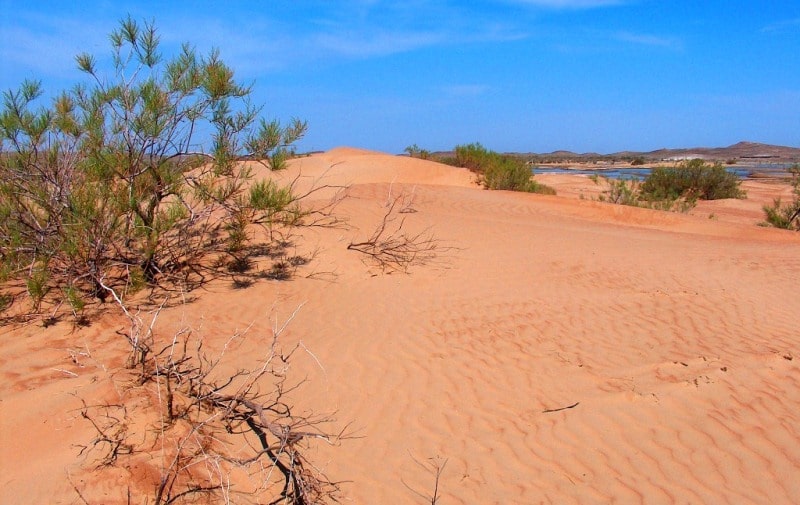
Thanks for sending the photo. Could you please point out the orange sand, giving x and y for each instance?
(676, 335)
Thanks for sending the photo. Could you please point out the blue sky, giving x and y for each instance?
(515, 75)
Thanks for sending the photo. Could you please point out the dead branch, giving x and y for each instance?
(112, 433)
(207, 415)
(547, 411)
(391, 247)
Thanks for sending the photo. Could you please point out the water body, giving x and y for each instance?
(744, 172)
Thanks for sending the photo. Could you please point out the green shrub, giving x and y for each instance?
(506, 173)
(416, 152)
(37, 286)
(107, 182)
(621, 192)
(539, 188)
(474, 157)
(498, 171)
(691, 180)
(75, 299)
(786, 216)
(628, 192)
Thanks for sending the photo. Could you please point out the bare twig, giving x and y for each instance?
(391, 247)
(435, 466)
(547, 411)
(201, 407)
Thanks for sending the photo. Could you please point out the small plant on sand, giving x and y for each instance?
(110, 183)
(786, 216)
(621, 191)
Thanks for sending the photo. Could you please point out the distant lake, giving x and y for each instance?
(744, 172)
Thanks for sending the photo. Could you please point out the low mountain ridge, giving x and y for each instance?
(744, 151)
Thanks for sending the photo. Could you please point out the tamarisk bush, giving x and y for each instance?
(134, 177)
(498, 171)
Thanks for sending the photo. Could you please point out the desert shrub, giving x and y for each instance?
(506, 173)
(786, 216)
(417, 152)
(474, 156)
(498, 171)
(638, 161)
(628, 192)
(106, 186)
(693, 179)
(620, 191)
(539, 188)
(675, 188)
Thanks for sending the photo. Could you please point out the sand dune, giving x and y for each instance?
(672, 339)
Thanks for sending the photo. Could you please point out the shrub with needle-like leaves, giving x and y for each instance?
(135, 175)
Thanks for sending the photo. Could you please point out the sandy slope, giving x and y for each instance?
(674, 336)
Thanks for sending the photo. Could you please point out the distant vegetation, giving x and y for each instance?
(499, 171)
(494, 170)
(676, 188)
(786, 216)
(691, 180)
(416, 152)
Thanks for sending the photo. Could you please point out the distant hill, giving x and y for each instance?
(742, 151)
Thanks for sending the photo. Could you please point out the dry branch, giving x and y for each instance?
(391, 247)
(211, 422)
(435, 466)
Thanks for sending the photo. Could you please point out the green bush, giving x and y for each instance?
(106, 186)
(691, 180)
(498, 171)
(506, 173)
(786, 216)
(620, 191)
(416, 152)
(474, 157)
(675, 189)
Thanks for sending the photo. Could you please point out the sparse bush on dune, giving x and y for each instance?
(675, 188)
(417, 152)
(692, 180)
(498, 171)
(108, 184)
(786, 216)
(620, 191)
